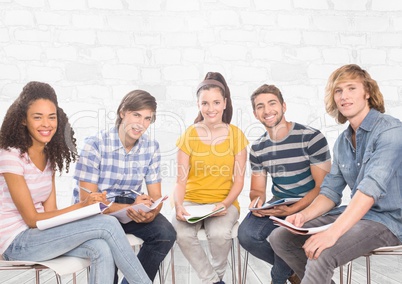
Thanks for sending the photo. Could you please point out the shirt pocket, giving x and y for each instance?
(367, 156)
(349, 172)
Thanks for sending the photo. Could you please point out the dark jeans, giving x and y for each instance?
(159, 237)
(253, 234)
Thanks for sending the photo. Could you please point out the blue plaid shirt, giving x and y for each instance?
(104, 161)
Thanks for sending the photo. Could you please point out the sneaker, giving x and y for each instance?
(294, 279)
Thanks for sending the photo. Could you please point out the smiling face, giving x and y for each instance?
(133, 125)
(268, 110)
(211, 105)
(351, 100)
(41, 121)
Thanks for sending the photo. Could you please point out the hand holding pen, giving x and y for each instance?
(145, 199)
(109, 197)
(93, 197)
(254, 206)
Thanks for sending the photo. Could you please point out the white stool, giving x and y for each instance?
(62, 265)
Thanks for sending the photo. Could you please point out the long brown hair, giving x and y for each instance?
(228, 112)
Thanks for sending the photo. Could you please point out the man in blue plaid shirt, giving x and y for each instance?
(118, 161)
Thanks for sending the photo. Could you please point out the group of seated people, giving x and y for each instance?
(37, 141)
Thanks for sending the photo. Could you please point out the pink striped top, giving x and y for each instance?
(39, 184)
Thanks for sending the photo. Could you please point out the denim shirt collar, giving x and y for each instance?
(367, 124)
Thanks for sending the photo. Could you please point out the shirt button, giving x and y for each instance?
(358, 164)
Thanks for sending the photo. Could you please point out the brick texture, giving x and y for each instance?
(95, 51)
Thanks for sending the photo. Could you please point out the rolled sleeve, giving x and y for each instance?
(381, 162)
(334, 183)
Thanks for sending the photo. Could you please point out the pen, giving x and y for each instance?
(140, 193)
(135, 192)
(85, 189)
(255, 205)
(89, 191)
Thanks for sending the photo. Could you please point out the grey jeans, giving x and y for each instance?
(362, 238)
(219, 235)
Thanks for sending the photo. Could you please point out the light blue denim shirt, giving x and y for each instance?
(374, 168)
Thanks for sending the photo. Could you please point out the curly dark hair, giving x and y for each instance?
(14, 134)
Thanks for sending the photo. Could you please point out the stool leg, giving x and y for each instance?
(58, 279)
(341, 274)
(368, 269)
(349, 279)
(233, 264)
(239, 261)
(162, 273)
(74, 278)
(245, 267)
(37, 276)
(172, 265)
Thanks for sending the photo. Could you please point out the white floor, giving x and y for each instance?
(384, 270)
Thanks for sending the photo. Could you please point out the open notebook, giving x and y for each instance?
(72, 216)
(298, 230)
(122, 214)
(200, 212)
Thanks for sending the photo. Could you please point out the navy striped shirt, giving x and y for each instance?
(288, 161)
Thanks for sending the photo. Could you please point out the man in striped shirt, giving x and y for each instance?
(297, 158)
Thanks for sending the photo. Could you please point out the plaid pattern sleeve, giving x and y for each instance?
(153, 173)
(88, 166)
(104, 161)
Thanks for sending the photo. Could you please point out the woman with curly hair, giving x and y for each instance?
(36, 140)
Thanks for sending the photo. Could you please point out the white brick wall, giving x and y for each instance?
(94, 51)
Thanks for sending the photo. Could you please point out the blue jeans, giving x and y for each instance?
(159, 237)
(99, 238)
(252, 235)
(362, 238)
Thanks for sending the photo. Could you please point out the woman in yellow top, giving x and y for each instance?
(211, 164)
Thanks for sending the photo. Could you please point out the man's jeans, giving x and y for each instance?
(362, 238)
(159, 237)
(253, 234)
